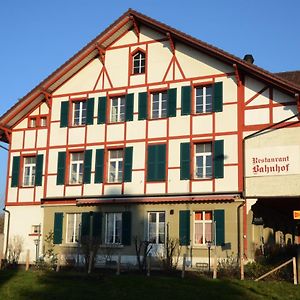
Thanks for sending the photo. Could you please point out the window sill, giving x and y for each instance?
(27, 186)
(202, 179)
(156, 181)
(74, 184)
(116, 123)
(77, 126)
(136, 74)
(202, 114)
(114, 183)
(157, 119)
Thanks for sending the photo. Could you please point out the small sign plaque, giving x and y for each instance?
(296, 214)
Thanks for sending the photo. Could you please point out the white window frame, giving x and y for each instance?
(116, 115)
(75, 228)
(30, 169)
(205, 166)
(43, 121)
(162, 99)
(114, 165)
(204, 223)
(77, 176)
(141, 59)
(207, 99)
(32, 122)
(112, 239)
(157, 227)
(81, 107)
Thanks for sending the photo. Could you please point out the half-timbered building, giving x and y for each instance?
(144, 133)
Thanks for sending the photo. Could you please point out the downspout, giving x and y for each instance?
(7, 233)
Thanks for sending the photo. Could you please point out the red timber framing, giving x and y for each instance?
(240, 70)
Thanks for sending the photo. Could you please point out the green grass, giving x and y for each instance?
(67, 285)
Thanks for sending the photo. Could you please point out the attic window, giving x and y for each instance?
(32, 122)
(138, 62)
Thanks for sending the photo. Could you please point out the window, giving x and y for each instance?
(79, 113)
(117, 109)
(159, 105)
(43, 121)
(29, 171)
(73, 226)
(113, 228)
(139, 63)
(76, 167)
(32, 122)
(115, 165)
(203, 99)
(203, 160)
(203, 227)
(156, 162)
(156, 227)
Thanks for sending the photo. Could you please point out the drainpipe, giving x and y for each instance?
(7, 232)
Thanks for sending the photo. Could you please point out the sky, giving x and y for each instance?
(37, 36)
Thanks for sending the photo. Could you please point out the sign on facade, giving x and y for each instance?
(272, 161)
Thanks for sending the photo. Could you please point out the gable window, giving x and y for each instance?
(115, 167)
(203, 227)
(73, 225)
(29, 171)
(138, 63)
(159, 105)
(117, 109)
(79, 113)
(203, 99)
(32, 122)
(156, 227)
(76, 167)
(113, 228)
(43, 121)
(203, 160)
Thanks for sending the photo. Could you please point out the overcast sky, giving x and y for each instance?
(37, 36)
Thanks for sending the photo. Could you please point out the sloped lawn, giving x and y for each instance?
(68, 285)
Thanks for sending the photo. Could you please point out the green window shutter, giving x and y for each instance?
(15, 171)
(219, 159)
(39, 170)
(218, 97)
(101, 110)
(61, 168)
(129, 107)
(90, 111)
(85, 225)
(184, 227)
(143, 106)
(99, 165)
(58, 226)
(64, 114)
(172, 101)
(156, 163)
(128, 164)
(97, 225)
(185, 100)
(185, 161)
(126, 228)
(161, 162)
(219, 219)
(87, 166)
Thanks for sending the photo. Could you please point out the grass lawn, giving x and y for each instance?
(67, 285)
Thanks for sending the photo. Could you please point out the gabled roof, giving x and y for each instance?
(103, 40)
(291, 76)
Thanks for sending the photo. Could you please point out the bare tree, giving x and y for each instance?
(15, 247)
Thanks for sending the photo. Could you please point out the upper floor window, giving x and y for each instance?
(76, 167)
(203, 160)
(79, 113)
(156, 227)
(73, 225)
(203, 227)
(117, 109)
(113, 228)
(115, 167)
(159, 105)
(138, 63)
(29, 171)
(204, 99)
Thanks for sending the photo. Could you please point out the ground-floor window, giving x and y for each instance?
(156, 227)
(73, 227)
(113, 228)
(203, 227)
